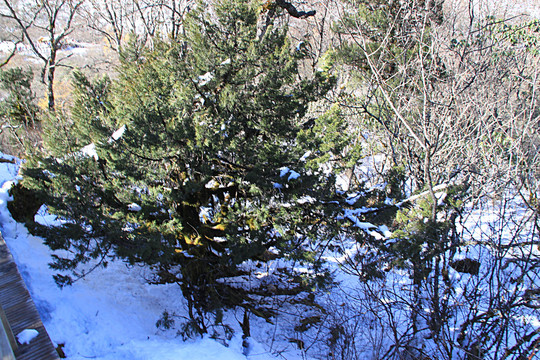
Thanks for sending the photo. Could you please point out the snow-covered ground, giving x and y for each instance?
(111, 313)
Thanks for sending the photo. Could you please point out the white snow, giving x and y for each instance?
(118, 133)
(134, 207)
(277, 186)
(212, 184)
(293, 175)
(353, 198)
(110, 314)
(6, 46)
(90, 151)
(27, 335)
(206, 78)
(352, 215)
(306, 155)
(306, 199)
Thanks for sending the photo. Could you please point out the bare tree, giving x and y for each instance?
(454, 101)
(11, 31)
(44, 25)
(313, 33)
(145, 19)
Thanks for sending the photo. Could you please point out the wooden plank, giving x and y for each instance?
(21, 312)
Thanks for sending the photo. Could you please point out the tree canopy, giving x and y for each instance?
(190, 162)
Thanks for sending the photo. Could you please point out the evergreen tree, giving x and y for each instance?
(190, 162)
(18, 106)
(18, 111)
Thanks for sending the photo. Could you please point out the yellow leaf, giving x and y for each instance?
(221, 227)
(193, 240)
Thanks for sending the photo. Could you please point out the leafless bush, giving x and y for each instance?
(456, 102)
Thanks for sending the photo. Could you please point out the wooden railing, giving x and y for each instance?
(7, 341)
(21, 314)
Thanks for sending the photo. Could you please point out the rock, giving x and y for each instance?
(468, 266)
(25, 204)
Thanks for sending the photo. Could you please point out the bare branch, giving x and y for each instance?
(291, 9)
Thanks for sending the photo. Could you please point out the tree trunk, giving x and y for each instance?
(50, 81)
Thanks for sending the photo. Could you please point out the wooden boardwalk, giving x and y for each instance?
(20, 311)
